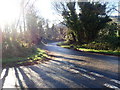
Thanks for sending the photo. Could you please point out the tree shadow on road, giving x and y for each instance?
(100, 78)
(57, 49)
(5, 75)
(47, 79)
(91, 69)
(18, 78)
(73, 59)
(28, 81)
(54, 76)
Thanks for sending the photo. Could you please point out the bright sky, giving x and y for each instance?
(10, 10)
(46, 10)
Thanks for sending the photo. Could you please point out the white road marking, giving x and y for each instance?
(92, 78)
(96, 74)
(116, 81)
(110, 86)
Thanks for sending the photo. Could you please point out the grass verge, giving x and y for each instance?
(37, 57)
(105, 52)
(108, 52)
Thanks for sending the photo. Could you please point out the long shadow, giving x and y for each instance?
(97, 83)
(110, 75)
(47, 79)
(5, 75)
(69, 58)
(61, 50)
(90, 69)
(28, 82)
(76, 79)
(18, 78)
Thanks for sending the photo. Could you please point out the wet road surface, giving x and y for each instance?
(66, 69)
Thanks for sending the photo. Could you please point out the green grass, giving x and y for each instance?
(63, 43)
(111, 52)
(38, 55)
(100, 51)
(65, 46)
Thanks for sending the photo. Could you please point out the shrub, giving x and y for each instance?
(14, 48)
(97, 46)
(114, 41)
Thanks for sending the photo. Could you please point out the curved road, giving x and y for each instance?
(66, 69)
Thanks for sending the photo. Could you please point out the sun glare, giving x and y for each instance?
(9, 11)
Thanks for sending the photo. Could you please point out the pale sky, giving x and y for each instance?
(46, 10)
(10, 10)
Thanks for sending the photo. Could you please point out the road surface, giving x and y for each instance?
(67, 69)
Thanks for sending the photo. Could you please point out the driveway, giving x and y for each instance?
(66, 69)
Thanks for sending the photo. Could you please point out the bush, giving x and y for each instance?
(14, 48)
(113, 41)
(97, 46)
(104, 43)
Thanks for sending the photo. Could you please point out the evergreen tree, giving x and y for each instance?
(86, 24)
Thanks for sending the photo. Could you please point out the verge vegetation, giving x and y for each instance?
(90, 48)
(22, 54)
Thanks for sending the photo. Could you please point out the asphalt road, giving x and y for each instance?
(67, 69)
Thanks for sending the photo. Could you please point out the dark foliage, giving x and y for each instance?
(86, 25)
